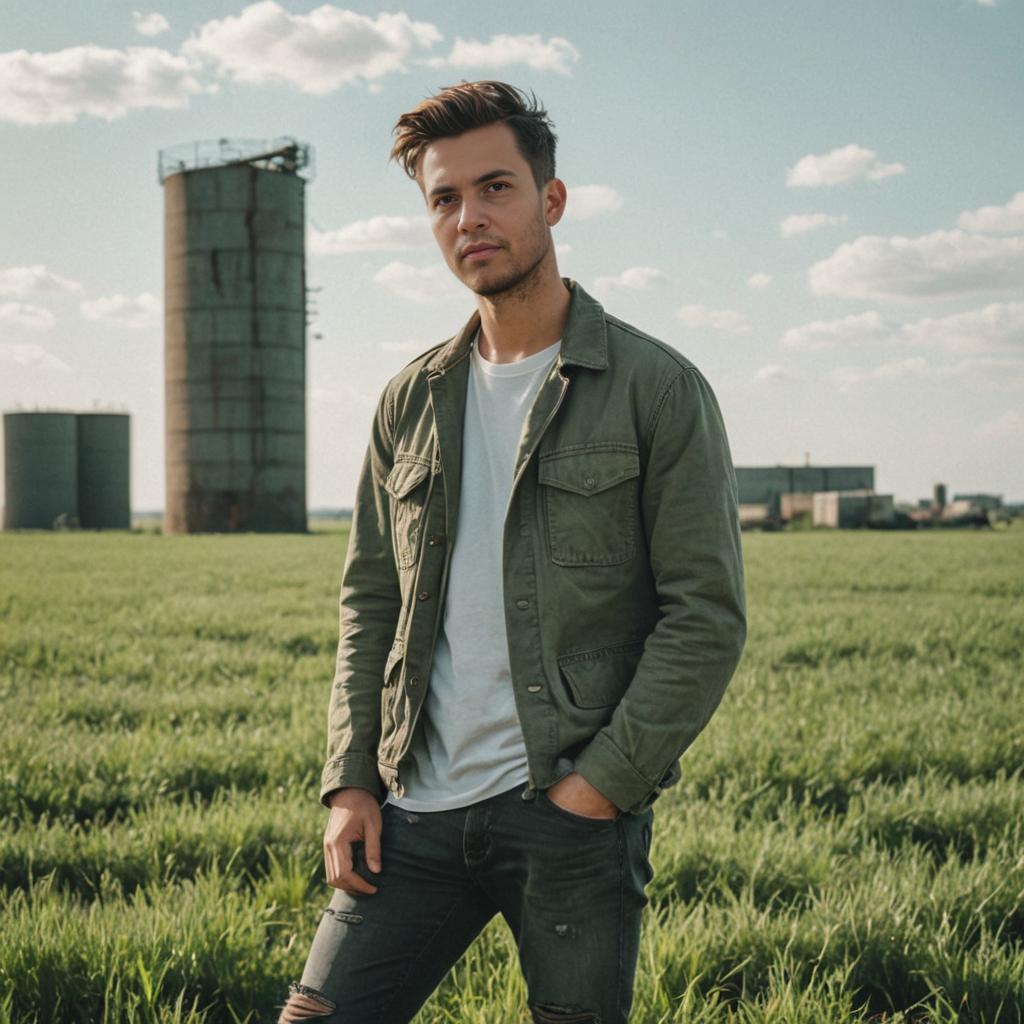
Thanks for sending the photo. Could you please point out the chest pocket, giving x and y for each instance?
(590, 503)
(407, 486)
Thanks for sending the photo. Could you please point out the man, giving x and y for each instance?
(541, 607)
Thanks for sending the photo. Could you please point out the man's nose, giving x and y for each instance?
(472, 215)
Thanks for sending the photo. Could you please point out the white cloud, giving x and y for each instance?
(854, 329)
(151, 24)
(943, 264)
(772, 373)
(719, 234)
(633, 279)
(22, 314)
(1010, 424)
(1008, 372)
(995, 220)
(998, 327)
(59, 87)
(123, 311)
(847, 378)
(562, 249)
(986, 3)
(587, 201)
(22, 282)
(717, 319)
(418, 284)
(503, 51)
(317, 53)
(375, 234)
(839, 166)
(801, 223)
(759, 281)
(31, 355)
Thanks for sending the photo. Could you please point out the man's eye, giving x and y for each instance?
(444, 201)
(497, 186)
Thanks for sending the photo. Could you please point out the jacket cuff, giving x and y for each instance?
(613, 775)
(350, 770)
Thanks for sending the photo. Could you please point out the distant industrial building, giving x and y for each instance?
(986, 502)
(67, 469)
(761, 488)
(235, 336)
(847, 510)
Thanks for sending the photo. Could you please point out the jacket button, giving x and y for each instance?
(536, 688)
(522, 604)
(589, 483)
(524, 531)
(435, 539)
(423, 595)
(415, 681)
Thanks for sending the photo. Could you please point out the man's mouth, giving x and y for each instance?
(480, 251)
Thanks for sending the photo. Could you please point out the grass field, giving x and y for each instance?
(847, 842)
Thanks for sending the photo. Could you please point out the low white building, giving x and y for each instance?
(850, 509)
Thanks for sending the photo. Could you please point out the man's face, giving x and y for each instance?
(491, 221)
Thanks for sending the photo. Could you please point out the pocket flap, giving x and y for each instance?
(599, 678)
(588, 472)
(405, 477)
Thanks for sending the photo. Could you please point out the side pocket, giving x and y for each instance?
(599, 678)
(395, 657)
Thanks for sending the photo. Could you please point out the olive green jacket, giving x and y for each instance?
(623, 578)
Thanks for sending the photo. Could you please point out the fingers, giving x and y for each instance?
(341, 871)
(351, 833)
(372, 845)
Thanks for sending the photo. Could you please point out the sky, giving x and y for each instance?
(819, 203)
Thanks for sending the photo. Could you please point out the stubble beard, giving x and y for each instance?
(519, 283)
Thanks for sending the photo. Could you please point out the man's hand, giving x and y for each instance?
(355, 817)
(577, 796)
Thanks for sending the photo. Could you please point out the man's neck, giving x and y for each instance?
(514, 325)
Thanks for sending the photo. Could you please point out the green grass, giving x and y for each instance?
(847, 842)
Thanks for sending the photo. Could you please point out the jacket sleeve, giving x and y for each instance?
(690, 515)
(369, 609)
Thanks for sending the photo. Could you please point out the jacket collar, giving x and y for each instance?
(583, 341)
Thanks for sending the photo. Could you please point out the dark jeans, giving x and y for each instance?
(570, 888)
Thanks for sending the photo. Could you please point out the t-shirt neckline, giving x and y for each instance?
(521, 367)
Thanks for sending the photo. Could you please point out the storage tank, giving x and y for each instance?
(235, 336)
(40, 470)
(104, 471)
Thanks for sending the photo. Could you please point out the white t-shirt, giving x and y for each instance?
(469, 743)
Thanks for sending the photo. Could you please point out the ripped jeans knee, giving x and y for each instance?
(306, 1004)
(547, 1013)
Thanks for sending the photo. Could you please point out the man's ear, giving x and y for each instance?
(554, 201)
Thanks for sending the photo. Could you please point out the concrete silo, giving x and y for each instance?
(235, 336)
(104, 473)
(40, 470)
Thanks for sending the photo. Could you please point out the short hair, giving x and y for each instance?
(460, 108)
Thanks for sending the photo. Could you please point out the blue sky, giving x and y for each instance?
(820, 203)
